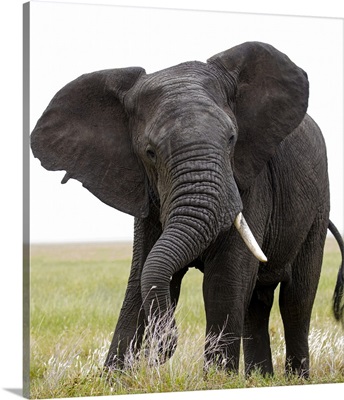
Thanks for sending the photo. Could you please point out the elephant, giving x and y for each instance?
(224, 171)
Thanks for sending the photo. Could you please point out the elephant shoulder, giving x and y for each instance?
(305, 143)
(308, 132)
(299, 166)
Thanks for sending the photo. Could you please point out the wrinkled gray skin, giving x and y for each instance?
(184, 150)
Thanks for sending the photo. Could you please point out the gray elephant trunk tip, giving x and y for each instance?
(247, 236)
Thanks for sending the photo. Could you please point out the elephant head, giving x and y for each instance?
(188, 139)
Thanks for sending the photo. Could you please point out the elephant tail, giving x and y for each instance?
(338, 295)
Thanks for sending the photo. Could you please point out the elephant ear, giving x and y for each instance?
(85, 131)
(269, 96)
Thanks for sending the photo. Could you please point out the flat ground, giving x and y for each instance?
(76, 294)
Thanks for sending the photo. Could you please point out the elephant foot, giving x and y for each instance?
(222, 352)
(294, 367)
(261, 369)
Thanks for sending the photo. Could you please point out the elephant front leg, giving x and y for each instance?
(225, 318)
(229, 273)
(131, 322)
(129, 329)
(224, 325)
(222, 344)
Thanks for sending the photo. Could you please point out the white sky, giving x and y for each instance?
(68, 40)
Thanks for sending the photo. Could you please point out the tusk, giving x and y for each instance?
(247, 236)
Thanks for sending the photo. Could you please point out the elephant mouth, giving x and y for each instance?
(247, 236)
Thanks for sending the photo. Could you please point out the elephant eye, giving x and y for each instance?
(231, 140)
(151, 154)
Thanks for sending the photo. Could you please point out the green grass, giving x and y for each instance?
(76, 295)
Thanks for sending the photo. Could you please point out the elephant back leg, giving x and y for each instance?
(256, 339)
(297, 297)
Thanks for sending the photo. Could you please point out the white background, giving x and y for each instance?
(69, 40)
(310, 42)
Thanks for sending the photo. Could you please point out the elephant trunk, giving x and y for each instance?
(176, 248)
(200, 202)
(180, 243)
(196, 209)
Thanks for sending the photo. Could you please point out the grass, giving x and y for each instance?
(76, 295)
